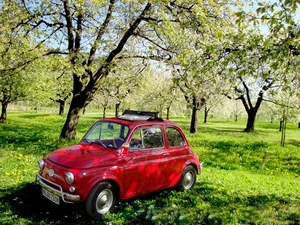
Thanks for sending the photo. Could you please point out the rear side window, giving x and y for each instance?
(174, 137)
(147, 138)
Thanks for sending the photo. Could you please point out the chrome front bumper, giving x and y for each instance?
(66, 197)
(201, 167)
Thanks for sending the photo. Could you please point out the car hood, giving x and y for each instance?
(84, 156)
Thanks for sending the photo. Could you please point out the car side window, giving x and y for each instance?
(136, 141)
(153, 138)
(174, 137)
(147, 138)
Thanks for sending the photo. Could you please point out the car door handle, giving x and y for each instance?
(166, 154)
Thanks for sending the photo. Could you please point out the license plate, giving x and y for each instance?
(50, 196)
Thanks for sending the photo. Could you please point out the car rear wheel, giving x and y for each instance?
(188, 179)
(101, 200)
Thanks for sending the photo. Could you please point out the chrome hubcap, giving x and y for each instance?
(188, 180)
(104, 201)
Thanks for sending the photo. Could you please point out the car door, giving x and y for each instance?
(178, 151)
(144, 172)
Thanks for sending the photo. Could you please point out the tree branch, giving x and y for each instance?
(152, 57)
(68, 17)
(247, 93)
(103, 70)
(100, 33)
(78, 31)
(151, 41)
(127, 34)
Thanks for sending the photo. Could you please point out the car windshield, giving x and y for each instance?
(107, 134)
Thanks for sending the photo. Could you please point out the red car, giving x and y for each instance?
(119, 158)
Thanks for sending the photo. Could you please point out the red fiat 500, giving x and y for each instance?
(119, 158)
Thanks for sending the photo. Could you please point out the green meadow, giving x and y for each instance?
(232, 189)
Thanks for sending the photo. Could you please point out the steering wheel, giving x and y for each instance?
(115, 143)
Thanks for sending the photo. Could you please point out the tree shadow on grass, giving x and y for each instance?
(293, 142)
(27, 202)
(217, 129)
(33, 116)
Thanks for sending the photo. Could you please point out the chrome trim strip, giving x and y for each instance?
(66, 197)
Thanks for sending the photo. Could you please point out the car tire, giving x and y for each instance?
(188, 179)
(101, 200)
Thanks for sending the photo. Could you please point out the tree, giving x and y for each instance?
(237, 111)
(214, 101)
(125, 80)
(103, 98)
(200, 61)
(199, 77)
(258, 60)
(17, 81)
(122, 82)
(87, 30)
(195, 96)
(23, 83)
(62, 82)
(156, 92)
(252, 57)
(251, 109)
(23, 74)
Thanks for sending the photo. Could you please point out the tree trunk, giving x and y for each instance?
(168, 112)
(117, 109)
(283, 132)
(194, 121)
(250, 122)
(280, 125)
(104, 111)
(61, 107)
(206, 111)
(69, 128)
(3, 111)
(197, 104)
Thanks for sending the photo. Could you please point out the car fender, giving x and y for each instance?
(193, 163)
(105, 176)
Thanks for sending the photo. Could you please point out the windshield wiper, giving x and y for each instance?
(100, 142)
(86, 140)
(94, 141)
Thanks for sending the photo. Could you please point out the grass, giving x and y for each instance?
(231, 190)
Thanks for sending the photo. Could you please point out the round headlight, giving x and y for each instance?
(69, 177)
(41, 164)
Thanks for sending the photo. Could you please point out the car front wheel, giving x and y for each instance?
(101, 200)
(188, 179)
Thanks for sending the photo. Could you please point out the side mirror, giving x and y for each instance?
(123, 149)
(110, 126)
(125, 145)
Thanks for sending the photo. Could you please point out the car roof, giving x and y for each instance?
(134, 118)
